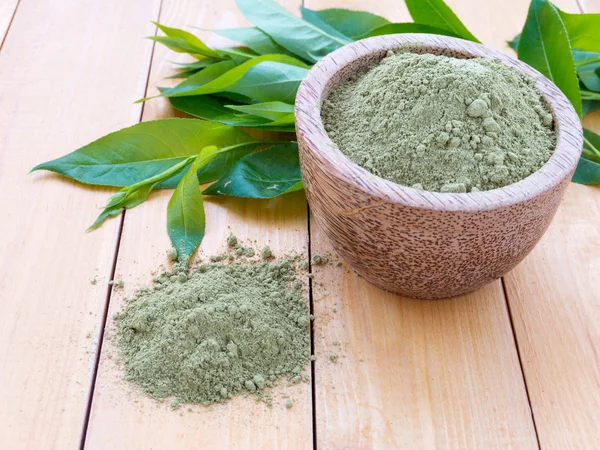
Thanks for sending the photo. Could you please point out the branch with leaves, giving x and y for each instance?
(254, 84)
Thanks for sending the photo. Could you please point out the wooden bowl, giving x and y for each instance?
(417, 243)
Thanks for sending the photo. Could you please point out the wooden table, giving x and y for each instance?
(513, 365)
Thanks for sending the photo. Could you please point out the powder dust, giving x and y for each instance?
(227, 329)
(441, 124)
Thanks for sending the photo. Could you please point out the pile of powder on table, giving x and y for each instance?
(441, 124)
(227, 329)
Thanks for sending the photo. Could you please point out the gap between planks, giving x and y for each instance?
(313, 386)
(8, 21)
(312, 330)
(109, 289)
(514, 333)
(109, 286)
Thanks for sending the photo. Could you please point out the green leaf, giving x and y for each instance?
(590, 95)
(121, 201)
(583, 30)
(222, 160)
(200, 64)
(297, 187)
(177, 45)
(131, 196)
(183, 41)
(237, 98)
(591, 145)
(544, 45)
(268, 110)
(296, 35)
(231, 80)
(215, 109)
(183, 74)
(589, 106)
(353, 24)
(437, 14)
(186, 220)
(590, 78)
(588, 168)
(265, 174)
(198, 80)
(409, 27)
(237, 55)
(185, 70)
(270, 81)
(584, 58)
(134, 154)
(587, 172)
(314, 18)
(289, 119)
(254, 39)
(587, 65)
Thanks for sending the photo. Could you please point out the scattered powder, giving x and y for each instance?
(228, 329)
(232, 240)
(318, 260)
(441, 124)
(266, 252)
(172, 254)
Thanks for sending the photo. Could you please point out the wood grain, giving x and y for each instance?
(7, 11)
(555, 308)
(58, 92)
(409, 373)
(124, 419)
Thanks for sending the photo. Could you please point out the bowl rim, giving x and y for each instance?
(311, 132)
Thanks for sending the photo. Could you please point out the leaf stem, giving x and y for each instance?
(591, 151)
(212, 155)
(589, 95)
(161, 176)
(588, 61)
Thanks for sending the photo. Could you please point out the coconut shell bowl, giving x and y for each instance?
(416, 243)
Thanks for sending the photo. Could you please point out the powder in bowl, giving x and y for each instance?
(441, 124)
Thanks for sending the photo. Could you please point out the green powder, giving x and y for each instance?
(232, 240)
(227, 329)
(441, 124)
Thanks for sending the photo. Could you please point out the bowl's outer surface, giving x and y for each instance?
(416, 243)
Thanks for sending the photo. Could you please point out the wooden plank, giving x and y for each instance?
(122, 419)
(63, 83)
(7, 11)
(554, 304)
(410, 373)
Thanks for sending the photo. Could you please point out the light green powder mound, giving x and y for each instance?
(228, 329)
(441, 124)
